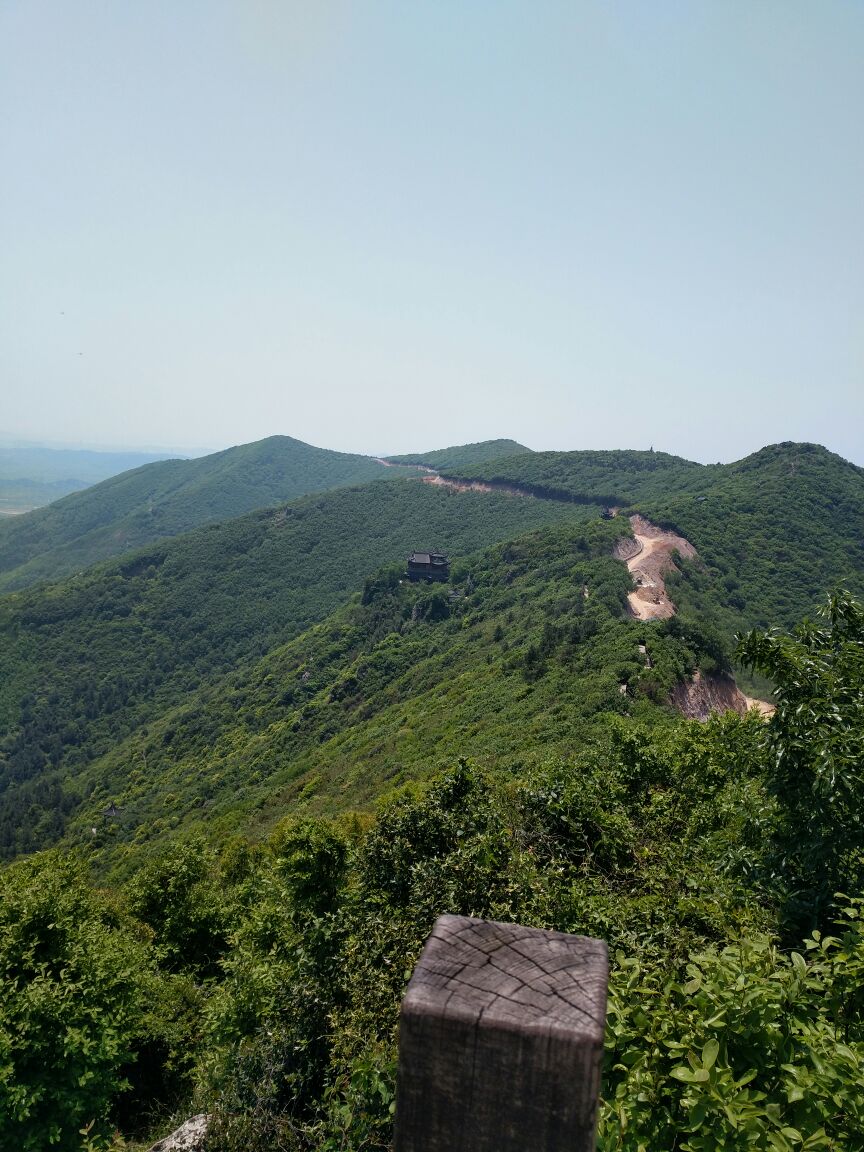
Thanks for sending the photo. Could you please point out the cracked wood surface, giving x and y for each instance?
(501, 1040)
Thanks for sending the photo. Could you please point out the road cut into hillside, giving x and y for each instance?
(648, 560)
(475, 486)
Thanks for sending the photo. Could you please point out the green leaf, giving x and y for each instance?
(682, 1072)
(709, 1053)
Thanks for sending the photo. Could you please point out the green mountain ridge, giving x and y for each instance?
(89, 664)
(165, 499)
(463, 455)
(516, 662)
(774, 532)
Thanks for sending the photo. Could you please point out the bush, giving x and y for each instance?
(75, 984)
(745, 1048)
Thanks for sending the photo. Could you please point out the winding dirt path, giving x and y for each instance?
(649, 556)
(648, 564)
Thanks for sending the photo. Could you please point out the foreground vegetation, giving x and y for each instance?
(261, 980)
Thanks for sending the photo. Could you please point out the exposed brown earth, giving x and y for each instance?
(698, 697)
(762, 706)
(650, 557)
(390, 464)
(474, 486)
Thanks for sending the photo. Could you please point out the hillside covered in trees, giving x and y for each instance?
(463, 455)
(774, 531)
(244, 768)
(167, 498)
(88, 662)
(261, 980)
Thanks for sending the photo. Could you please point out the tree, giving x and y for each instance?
(816, 763)
(75, 983)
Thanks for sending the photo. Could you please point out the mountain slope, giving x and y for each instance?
(85, 663)
(776, 532)
(167, 499)
(529, 652)
(143, 645)
(615, 477)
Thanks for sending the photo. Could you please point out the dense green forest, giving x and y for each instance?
(525, 654)
(463, 455)
(611, 478)
(85, 664)
(266, 762)
(261, 980)
(774, 531)
(168, 498)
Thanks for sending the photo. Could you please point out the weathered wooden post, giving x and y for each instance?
(501, 1041)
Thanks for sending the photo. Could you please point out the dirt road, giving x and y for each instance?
(649, 600)
(475, 486)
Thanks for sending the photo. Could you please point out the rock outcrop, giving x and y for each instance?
(189, 1137)
(698, 697)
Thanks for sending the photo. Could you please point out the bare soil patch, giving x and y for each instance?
(649, 564)
(474, 486)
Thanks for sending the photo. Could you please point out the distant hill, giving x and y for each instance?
(32, 476)
(166, 499)
(775, 533)
(85, 663)
(463, 455)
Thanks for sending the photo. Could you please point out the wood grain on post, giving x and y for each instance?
(501, 1041)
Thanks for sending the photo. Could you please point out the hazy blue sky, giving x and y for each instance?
(386, 226)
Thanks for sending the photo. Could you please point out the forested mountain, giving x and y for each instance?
(462, 455)
(774, 531)
(529, 650)
(166, 499)
(286, 761)
(612, 478)
(84, 663)
(88, 665)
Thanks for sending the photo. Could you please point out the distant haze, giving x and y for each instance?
(382, 227)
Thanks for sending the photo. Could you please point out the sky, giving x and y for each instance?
(391, 226)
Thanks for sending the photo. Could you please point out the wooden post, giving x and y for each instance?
(501, 1041)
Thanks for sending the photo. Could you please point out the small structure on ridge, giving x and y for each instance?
(428, 566)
